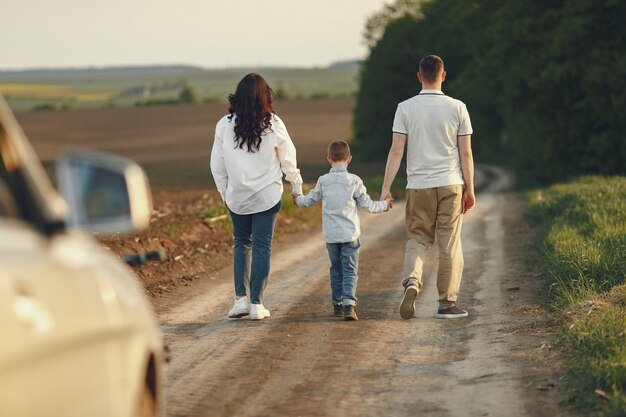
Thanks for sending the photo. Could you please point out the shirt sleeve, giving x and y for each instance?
(365, 201)
(287, 156)
(399, 124)
(465, 124)
(218, 167)
(311, 198)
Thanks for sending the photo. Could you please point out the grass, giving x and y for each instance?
(220, 213)
(584, 242)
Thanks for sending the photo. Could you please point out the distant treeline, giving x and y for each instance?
(148, 69)
(544, 81)
(141, 69)
(161, 85)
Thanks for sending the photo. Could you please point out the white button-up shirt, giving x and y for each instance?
(342, 194)
(251, 182)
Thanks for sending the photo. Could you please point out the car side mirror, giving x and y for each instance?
(105, 193)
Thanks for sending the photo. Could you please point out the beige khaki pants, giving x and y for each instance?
(434, 212)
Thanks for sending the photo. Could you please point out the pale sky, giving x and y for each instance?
(208, 33)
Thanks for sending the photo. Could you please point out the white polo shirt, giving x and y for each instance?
(432, 121)
(251, 182)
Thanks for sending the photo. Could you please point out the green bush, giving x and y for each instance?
(212, 99)
(318, 95)
(44, 107)
(187, 95)
(282, 93)
(158, 102)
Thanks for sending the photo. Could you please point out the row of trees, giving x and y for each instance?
(544, 80)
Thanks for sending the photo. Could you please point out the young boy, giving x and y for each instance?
(341, 192)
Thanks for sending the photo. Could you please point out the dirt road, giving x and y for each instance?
(304, 362)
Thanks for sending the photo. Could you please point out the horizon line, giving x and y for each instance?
(172, 65)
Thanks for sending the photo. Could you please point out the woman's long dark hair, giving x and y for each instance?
(252, 103)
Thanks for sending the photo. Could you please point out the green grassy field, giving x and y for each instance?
(584, 242)
(125, 88)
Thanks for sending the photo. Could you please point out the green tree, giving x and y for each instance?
(377, 23)
(544, 80)
(547, 66)
(387, 77)
(282, 93)
(187, 95)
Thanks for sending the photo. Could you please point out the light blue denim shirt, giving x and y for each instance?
(342, 194)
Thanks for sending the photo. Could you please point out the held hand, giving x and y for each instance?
(468, 201)
(293, 199)
(389, 203)
(386, 195)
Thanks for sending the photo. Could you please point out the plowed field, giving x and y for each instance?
(173, 143)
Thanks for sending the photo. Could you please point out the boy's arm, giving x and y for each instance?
(311, 198)
(365, 201)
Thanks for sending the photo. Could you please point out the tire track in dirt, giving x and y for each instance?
(304, 362)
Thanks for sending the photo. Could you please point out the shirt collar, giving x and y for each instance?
(338, 169)
(436, 92)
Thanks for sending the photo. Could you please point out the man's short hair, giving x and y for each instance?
(430, 67)
(338, 151)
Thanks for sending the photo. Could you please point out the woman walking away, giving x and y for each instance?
(251, 151)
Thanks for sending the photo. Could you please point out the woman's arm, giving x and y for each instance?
(286, 152)
(311, 198)
(218, 167)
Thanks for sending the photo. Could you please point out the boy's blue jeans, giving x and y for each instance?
(253, 235)
(344, 271)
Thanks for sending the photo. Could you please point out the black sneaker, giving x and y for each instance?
(349, 312)
(452, 312)
(338, 310)
(407, 307)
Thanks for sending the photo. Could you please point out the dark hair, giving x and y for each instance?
(430, 67)
(252, 103)
(338, 151)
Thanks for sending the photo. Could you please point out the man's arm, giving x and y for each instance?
(467, 168)
(393, 163)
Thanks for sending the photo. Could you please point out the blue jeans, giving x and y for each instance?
(344, 271)
(253, 235)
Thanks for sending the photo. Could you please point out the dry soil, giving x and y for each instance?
(302, 361)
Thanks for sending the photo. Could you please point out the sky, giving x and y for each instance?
(207, 33)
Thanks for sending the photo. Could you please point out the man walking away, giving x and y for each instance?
(440, 185)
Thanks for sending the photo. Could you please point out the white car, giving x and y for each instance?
(77, 333)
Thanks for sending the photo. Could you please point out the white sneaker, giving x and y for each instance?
(258, 312)
(240, 309)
